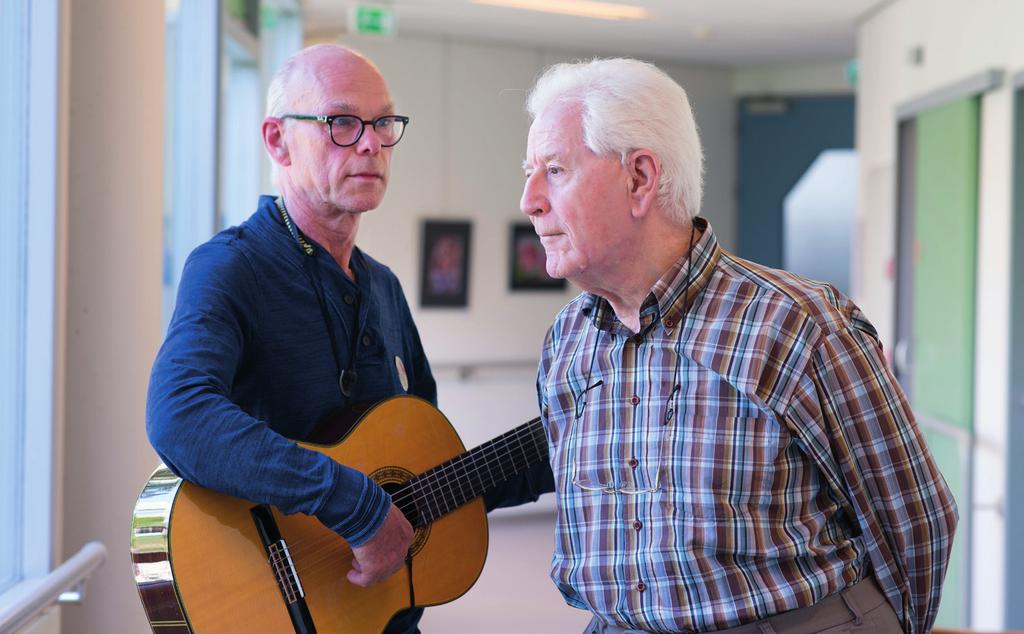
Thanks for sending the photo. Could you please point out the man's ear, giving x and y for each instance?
(274, 141)
(644, 175)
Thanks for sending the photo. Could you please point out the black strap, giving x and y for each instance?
(412, 590)
(346, 378)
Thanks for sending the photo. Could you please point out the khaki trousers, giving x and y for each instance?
(859, 608)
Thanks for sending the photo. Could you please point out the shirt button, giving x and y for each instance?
(366, 340)
(637, 525)
(641, 586)
(545, 412)
(349, 299)
(635, 400)
(633, 462)
(637, 339)
(670, 323)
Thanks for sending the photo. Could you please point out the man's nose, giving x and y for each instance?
(533, 201)
(369, 142)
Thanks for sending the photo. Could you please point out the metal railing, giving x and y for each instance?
(66, 584)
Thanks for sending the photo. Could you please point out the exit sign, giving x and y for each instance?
(370, 19)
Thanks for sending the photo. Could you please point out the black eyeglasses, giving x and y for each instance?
(347, 129)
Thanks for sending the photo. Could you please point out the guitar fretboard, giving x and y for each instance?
(451, 484)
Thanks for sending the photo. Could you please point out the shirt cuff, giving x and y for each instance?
(356, 507)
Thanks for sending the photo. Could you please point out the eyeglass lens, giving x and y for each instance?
(347, 130)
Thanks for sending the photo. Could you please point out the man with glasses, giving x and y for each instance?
(283, 320)
(730, 451)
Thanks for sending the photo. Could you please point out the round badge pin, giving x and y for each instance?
(402, 376)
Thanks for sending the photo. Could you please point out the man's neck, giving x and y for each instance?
(636, 276)
(331, 228)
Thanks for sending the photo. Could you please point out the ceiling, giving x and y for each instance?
(715, 32)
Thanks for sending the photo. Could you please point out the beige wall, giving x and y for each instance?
(959, 39)
(111, 288)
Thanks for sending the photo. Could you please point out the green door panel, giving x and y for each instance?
(945, 228)
(943, 316)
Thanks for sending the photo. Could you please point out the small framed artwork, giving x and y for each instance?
(527, 262)
(444, 278)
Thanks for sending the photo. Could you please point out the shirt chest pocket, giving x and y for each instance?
(602, 441)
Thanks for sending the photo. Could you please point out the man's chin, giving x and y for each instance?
(555, 268)
(360, 204)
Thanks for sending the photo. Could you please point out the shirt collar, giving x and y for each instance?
(673, 292)
(275, 225)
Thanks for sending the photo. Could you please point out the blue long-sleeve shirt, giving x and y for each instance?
(248, 364)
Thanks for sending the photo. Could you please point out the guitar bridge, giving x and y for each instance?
(283, 568)
(280, 561)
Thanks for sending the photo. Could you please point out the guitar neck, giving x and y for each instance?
(451, 484)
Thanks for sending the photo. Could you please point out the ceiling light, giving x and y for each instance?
(579, 8)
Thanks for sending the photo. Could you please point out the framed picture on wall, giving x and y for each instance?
(444, 264)
(527, 262)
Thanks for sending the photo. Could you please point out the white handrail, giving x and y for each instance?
(66, 584)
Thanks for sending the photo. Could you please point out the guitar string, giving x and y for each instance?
(528, 429)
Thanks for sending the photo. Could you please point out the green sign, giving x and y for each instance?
(368, 19)
(852, 72)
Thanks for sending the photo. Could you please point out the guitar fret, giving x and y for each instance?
(449, 501)
(462, 477)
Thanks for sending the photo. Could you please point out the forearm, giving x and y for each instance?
(205, 438)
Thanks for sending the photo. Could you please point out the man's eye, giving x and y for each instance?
(554, 170)
(344, 122)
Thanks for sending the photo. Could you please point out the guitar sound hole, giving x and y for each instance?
(391, 480)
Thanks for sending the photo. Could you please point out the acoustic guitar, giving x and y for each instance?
(208, 563)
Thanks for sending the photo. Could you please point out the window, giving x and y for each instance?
(219, 57)
(14, 82)
(28, 108)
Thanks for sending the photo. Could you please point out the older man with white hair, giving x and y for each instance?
(730, 450)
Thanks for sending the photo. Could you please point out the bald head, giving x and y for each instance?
(298, 84)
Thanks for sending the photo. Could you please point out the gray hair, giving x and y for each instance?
(628, 105)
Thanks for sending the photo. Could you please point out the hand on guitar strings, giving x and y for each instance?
(384, 554)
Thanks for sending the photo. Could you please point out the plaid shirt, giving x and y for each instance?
(742, 456)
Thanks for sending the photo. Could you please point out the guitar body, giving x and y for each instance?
(201, 567)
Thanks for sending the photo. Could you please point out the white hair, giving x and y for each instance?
(628, 105)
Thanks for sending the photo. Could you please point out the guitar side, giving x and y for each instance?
(215, 576)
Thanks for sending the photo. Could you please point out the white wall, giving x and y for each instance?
(110, 329)
(959, 39)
